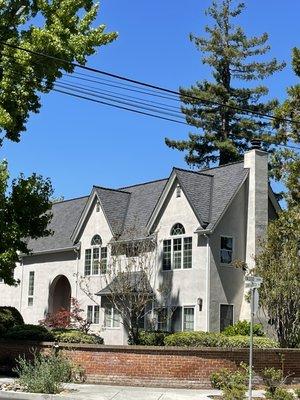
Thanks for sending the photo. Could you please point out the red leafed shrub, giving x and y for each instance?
(67, 318)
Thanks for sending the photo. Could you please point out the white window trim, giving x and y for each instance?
(30, 296)
(99, 260)
(182, 317)
(169, 317)
(182, 250)
(233, 248)
(226, 304)
(112, 318)
(93, 313)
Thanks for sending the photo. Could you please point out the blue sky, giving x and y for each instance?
(78, 144)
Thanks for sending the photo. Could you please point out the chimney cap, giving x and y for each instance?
(255, 144)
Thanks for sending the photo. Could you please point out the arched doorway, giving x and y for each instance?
(59, 294)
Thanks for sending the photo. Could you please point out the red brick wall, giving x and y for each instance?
(158, 366)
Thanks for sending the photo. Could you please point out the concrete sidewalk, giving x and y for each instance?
(105, 392)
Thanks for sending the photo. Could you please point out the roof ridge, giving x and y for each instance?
(221, 166)
(74, 198)
(143, 183)
(193, 172)
(112, 189)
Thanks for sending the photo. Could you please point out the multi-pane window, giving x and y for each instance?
(30, 288)
(93, 314)
(188, 319)
(167, 251)
(87, 262)
(103, 260)
(111, 317)
(163, 320)
(95, 261)
(187, 252)
(226, 250)
(226, 316)
(177, 252)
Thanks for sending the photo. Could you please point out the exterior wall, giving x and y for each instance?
(158, 366)
(226, 281)
(186, 285)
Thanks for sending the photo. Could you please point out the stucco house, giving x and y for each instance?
(202, 221)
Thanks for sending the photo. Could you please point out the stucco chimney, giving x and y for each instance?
(256, 160)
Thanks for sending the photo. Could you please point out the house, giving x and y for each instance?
(202, 222)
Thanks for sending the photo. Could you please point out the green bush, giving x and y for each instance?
(75, 336)
(280, 394)
(273, 379)
(242, 328)
(211, 339)
(9, 317)
(152, 338)
(297, 393)
(232, 384)
(29, 332)
(44, 374)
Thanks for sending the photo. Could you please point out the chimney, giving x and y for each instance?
(256, 160)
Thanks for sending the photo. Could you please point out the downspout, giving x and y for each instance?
(207, 282)
(77, 251)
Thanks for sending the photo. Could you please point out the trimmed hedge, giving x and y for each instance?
(9, 317)
(211, 339)
(243, 328)
(29, 332)
(152, 338)
(75, 336)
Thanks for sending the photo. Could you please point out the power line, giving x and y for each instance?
(148, 85)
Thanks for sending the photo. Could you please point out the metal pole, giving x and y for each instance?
(251, 343)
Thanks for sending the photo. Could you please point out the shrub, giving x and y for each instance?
(29, 332)
(280, 394)
(297, 393)
(75, 336)
(273, 379)
(243, 328)
(152, 338)
(44, 374)
(233, 384)
(9, 317)
(211, 339)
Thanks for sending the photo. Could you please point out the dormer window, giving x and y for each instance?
(177, 252)
(178, 191)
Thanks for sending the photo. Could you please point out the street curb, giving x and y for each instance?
(28, 396)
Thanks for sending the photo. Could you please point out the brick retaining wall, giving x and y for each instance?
(159, 366)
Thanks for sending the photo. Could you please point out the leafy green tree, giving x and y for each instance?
(60, 28)
(225, 132)
(278, 265)
(286, 162)
(24, 213)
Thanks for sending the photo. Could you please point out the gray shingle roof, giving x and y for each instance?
(129, 209)
(127, 282)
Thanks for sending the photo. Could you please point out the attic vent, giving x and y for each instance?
(97, 206)
(178, 191)
(96, 240)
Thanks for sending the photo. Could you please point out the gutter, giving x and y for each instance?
(60, 250)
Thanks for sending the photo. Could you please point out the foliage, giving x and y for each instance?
(67, 318)
(152, 338)
(29, 332)
(127, 281)
(64, 31)
(43, 374)
(75, 336)
(24, 214)
(243, 328)
(278, 265)
(9, 317)
(297, 391)
(286, 163)
(232, 383)
(273, 379)
(233, 57)
(280, 394)
(211, 339)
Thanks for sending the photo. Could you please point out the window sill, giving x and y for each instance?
(108, 328)
(177, 269)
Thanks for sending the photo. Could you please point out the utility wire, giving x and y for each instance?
(148, 85)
